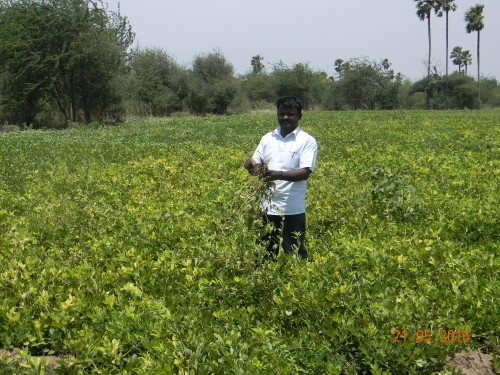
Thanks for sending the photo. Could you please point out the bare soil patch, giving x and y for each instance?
(472, 363)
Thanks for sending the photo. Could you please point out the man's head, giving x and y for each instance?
(289, 113)
(290, 102)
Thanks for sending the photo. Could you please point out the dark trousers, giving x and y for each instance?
(290, 229)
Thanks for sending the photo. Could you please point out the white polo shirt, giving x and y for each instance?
(297, 150)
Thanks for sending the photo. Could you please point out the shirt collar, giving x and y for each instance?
(295, 132)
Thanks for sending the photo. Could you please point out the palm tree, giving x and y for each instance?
(338, 67)
(457, 57)
(424, 9)
(445, 6)
(474, 18)
(257, 65)
(466, 60)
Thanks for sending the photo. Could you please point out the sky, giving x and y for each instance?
(316, 32)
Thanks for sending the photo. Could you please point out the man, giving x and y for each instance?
(289, 154)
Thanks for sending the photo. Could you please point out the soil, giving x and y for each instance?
(472, 363)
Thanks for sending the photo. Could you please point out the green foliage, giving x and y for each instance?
(391, 195)
(240, 103)
(257, 65)
(128, 249)
(260, 87)
(300, 81)
(463, 91)
(212, 67)
(159, 84)
(66, 53)
(444, 6)
(365, 84)
(489, 89)
(433, 88)
(461, 58)
(69, 61)
(222, 94)
(474, 18)
(212, 86)
(23, 79)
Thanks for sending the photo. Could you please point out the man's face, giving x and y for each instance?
(288, 118)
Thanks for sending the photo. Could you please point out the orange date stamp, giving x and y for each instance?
(445, 336)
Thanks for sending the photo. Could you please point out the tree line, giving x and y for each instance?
(474, 19)
(64, 61)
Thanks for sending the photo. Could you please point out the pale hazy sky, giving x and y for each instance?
(316, 32)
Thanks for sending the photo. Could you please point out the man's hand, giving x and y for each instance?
(272, 175)
(251, 166)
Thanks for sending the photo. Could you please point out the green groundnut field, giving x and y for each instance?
(130, 249)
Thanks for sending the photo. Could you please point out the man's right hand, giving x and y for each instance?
(251, 166)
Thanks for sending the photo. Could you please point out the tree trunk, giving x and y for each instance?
(427, 93)
(446, 78)
(73, 98)
(478, 71)
(430, 46)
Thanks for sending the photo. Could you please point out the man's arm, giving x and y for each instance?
(292, 176)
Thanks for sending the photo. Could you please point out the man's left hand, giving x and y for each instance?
(273, 175)
(294, 175)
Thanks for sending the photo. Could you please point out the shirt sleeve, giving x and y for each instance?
(258, 155)
(309, 154)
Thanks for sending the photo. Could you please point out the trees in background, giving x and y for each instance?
(61, 55)
(444, 7)
(462, 91)
(70, 60)
(474, 19)
(475, 22)
(340, 66)
(300, 81)
(212, 84)
(466, 60)
(366, 84)
(360, 83)
(259, 88)
(257, 65)
(158, 85)
(24, 81)
(461, 58)
(424, 11)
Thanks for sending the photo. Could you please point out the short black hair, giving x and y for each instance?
(291, 102)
